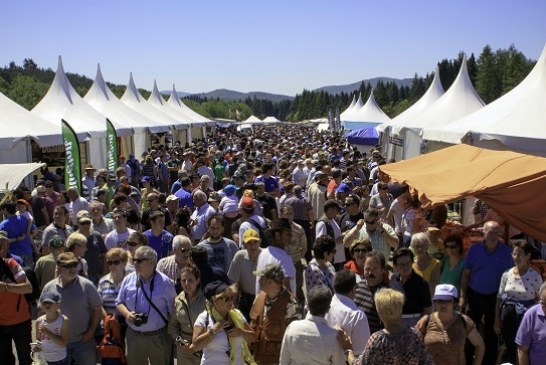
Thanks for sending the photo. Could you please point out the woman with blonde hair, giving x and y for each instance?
(221, 331)
(423, 264)
(395, 344)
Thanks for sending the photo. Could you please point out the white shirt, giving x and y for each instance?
(320, 230)
(205, 170)
(116, 239)
(246, 225)
(345, 314)
(311, 341)
(75, 206)
(276, 255)
(398, 208)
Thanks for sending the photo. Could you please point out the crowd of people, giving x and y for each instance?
(278, 246)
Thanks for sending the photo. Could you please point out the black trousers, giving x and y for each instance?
(482, 306)
(21, 334)
(510, 321)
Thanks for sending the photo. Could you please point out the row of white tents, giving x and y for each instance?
(516, 121)
(134, 118)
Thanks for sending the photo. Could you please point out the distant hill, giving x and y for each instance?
(226, 94)
(336, 89)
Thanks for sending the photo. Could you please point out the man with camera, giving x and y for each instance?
(146, 300)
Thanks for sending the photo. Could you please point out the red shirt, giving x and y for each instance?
(13, 307)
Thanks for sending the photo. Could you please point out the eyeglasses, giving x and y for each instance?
(449, 247)
(138, 261)
(360, 250)
(113, 262)
(226, 299)
(132, 243)
(72, 265)
(372, 222)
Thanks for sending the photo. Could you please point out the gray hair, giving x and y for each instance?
(179, 240)
(147, 252)
(419, 237)
(199, 194)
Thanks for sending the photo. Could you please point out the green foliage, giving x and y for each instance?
(26, 91)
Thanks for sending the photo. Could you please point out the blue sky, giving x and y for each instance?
(274, 46)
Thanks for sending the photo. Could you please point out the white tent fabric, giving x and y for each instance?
(460, 100)
(370, 112)
(63, 102)
(11, 175)
(157, 101)
(271, 120)
(23, 125)
(196, 118)
(103, 100)
(515, 121)
(134, 100)
(252, 120)
(349, 108)
(350, 113)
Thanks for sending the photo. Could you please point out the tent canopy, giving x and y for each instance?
(366, 136)
(508, 182)
(11, 175)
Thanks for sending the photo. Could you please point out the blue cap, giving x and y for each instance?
(229, 189)
(50, 297)
(145, 179)
(343, 188)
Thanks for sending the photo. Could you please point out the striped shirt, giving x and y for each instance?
(108, 292)
(364, 299)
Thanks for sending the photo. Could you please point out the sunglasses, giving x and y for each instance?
(132, 243)
(371, 222)
(113, 262)
(138, 261)
(72, 265)
(226, 299)
(360, 250)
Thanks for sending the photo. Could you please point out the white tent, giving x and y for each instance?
(63, 102)
(433, 93)
(348, 117)
(104, 101)
(134, 100)
(23, 126)
(252, 120)
(515, 121)
(184, 122)
(199, 122)
(271, 120)
(371, 113)
(349, 108)
(11, 175)
(460, 100)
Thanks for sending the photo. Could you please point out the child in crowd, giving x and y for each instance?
(52, 330)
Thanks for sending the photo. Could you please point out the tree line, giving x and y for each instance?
(493, 74)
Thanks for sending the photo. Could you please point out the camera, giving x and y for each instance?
(180, 340)
(140, 319)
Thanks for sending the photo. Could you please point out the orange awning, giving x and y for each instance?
(511, 183)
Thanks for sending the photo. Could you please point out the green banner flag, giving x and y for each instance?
(72, 162)
(111, 147)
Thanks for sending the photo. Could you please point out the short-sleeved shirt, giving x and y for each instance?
(95, 248)
(364, 299)
(532, 334)
(53, 230)
(162, 244)
(117, 239)
(270, 183)
(106, 226)
(80, 299)
(13, 307)
(487, 267)
(15, 226)
(184, 198)
(277, 255)
(524, 288)
(220, 253)
(241, 271)
(416, 293)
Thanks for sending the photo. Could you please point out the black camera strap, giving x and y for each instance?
(150, 300)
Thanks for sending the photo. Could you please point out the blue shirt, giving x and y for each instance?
(162, 295)
(176, 186)
(15, 226)
(487, 267)
(270, 184)
(162, 244)
(184, 198)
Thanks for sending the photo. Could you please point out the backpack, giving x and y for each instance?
(261, 231)
(329, 228)
(111, 348)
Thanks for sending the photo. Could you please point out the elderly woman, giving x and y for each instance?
(221, 331)
(320, 270)
(358, 250)
(187, 306)
(446, 331)
(423, 264)
(77, 244)
(396, 343)
(453, 263)
(519, 290)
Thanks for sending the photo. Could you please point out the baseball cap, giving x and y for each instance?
(56, 241)
(229, 189)
(445, 292)
(83, 216)
(145, 179)
(214, 288)
(247, 203)
(343, 188)
(271, 271)
(250, 235)
(171, 198)
(50, 297)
